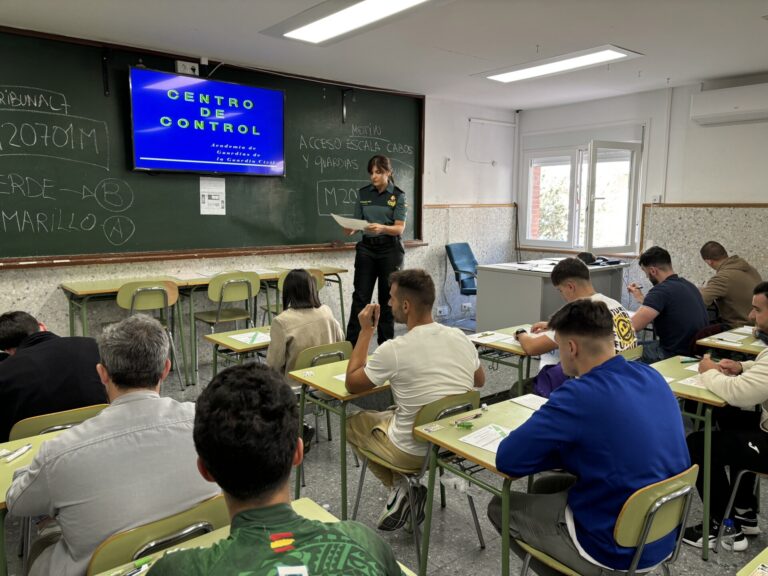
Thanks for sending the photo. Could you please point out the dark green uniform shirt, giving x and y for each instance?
(382, 208)
(275, 541)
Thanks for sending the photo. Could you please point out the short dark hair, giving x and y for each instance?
(134, 351)
(246, 430)
(761, 288)
(14, 327)
(713, 251)
(569, 269)
(300, 290)
(416, 285)
(583, 317)
(655, 256)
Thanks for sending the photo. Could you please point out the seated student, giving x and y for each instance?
(730, 289)
(673, 304)
(302, 324)
(571, 278)
(44, 373)
(245, 435)
(614, 428)
(428, 363)
(741, 384)
(131, 464)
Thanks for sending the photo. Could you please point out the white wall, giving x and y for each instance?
(717, 164)
(480, 155)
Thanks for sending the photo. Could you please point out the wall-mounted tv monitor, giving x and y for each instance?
(190, 124)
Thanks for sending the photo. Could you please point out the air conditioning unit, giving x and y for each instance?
(730, 105)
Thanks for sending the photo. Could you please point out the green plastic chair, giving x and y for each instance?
(42, 424)
(632, 354)
(147, 539)
(317, 356)
(154, 296)
(53, 422)
(224, 288)
(648, 515)
(443, 408)
(271, 310)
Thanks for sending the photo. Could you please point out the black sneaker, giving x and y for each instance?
(733, 537)
(420, 494)
(747, 519)
(395, 513)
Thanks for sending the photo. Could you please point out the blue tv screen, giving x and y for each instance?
(190, 124)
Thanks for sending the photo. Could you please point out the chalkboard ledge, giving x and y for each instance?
(118, 258)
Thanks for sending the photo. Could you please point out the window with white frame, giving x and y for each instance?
(581, 197)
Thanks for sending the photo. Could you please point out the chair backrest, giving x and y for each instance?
(464, 266)
(234, 287)
(147, 295)
(654, 511)
(454, 404)
(324, 354)
(707, 331)
(44, 423)
(141, 541)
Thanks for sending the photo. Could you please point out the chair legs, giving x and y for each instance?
(410, 481)
(729, 507)
(478, 529)
(526, 563)
(175, 360)
(363, 469)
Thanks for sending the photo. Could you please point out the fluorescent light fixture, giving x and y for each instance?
(351, 18)
(565, 63)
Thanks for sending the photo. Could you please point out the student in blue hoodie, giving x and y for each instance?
(613, 428)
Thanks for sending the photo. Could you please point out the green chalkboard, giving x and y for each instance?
(66, 181)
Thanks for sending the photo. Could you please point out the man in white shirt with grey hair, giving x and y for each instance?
(429, 362)
(133, 463)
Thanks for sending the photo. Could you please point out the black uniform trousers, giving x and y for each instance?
(738, 444)
(374, 262)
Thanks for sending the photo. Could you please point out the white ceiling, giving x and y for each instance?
(439, 48)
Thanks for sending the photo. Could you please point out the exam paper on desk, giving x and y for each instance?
(692, 381)
(743, 330)
(728, 337)
(251, 337)
(488, 437)
(532, 401)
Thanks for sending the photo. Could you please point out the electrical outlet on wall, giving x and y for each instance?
(192, 68)
(442, 311)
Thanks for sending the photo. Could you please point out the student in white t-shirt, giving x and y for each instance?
(571, 278)
(429, 362)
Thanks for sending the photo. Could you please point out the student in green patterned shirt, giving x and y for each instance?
(246, 435)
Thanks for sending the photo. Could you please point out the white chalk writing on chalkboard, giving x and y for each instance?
(337, 196)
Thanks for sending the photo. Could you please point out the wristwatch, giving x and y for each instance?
(520, 331)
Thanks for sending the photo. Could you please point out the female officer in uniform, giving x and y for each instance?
(380, 251)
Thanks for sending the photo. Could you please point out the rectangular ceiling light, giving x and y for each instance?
(351, 18)
(565, 63)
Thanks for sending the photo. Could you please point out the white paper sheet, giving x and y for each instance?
(743, 330)
(488, 437)
(341, 377)
(213, 196)
(251, 337)
(532, 401)
(692, 381)
(352, 223)
(728, 337)
(486, 337)
(693, 367)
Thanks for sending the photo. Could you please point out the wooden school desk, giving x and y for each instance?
(508, 414)
(674, 370)
(497, 351)
(6, 478)
(761, 558)
(228, 341)
(303, 506)
(746, 343)
(327, 379)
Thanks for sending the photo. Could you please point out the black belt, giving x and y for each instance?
(379, 240)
